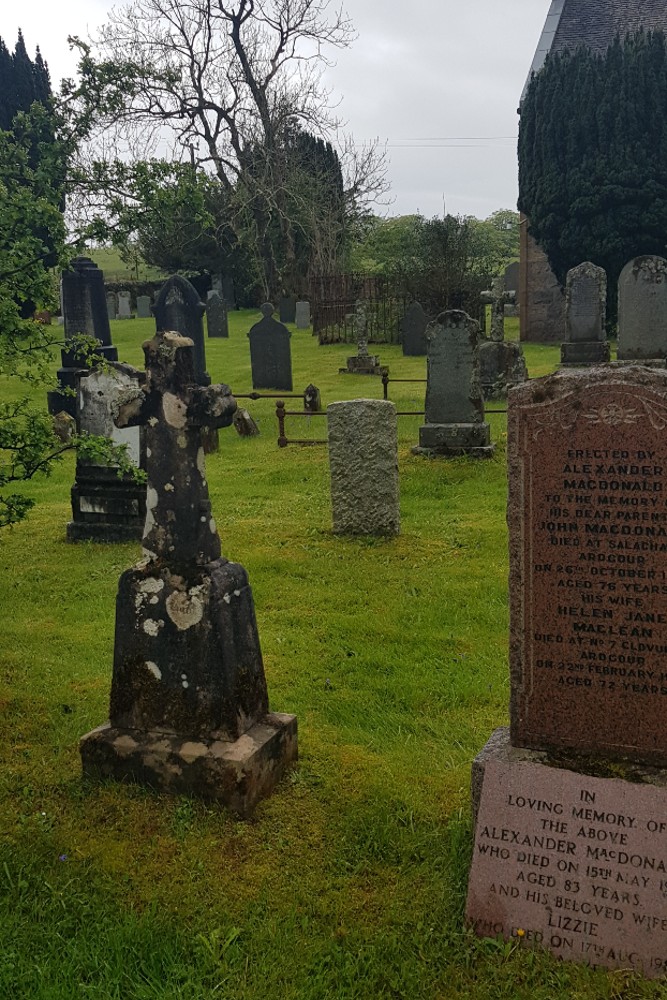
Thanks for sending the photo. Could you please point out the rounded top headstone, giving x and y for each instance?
(267, 309)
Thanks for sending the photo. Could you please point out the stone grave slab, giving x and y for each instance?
(570, 862)
(588, 563)
(270, 354)
(302, 315)
(585, 311)
(143, 306)
(413, 330)
(124, 307)
(642, 309)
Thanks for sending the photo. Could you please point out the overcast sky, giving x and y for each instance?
(438, 80)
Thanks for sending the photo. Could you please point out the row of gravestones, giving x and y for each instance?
(642, 312)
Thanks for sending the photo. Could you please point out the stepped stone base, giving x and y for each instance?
(584, 353)
(449, 440)
(237, 774)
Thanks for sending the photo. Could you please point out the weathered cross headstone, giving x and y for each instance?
(585, 311)
(454, 402)
(124, 306)
(501, 362)
(302, 315)
(189, 706)
(363, 459)
(227, 291)
(84, 312)
(642, 309)
(107, 507)
(570, 850)
(413, 330)
(217, 324)
(362, 363)
(287, 309)
(270, 355)
(111, 305)
(143, 306)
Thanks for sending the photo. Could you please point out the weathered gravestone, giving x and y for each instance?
(287, 309)
(270, 355)
(189, 706)
(570, 845)
(454, 402)
(363, 459)
(84, 312)
(124, 306)
(217, 324)
(362, 363)
(107, 507)
(512, 272)
(501, 362)
(112, 304)
(642, 309)
(227, 291)
(302, 315)
(585, 311)
(413, 330)
(143, 306)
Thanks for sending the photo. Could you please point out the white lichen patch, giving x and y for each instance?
(201, 465)
(169, 487)
(175, 410)
(151, 504)
(203, 519)
(237, 593)
(153, 421)
(212, 526)
(185, 684)
(185, 610)
(154, 670)
(227, 598)
(154, 600)
(151, 585)
(152, 627)
(148, 453)
(181, 440)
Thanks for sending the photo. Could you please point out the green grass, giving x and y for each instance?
(350, 881)
(116, 269)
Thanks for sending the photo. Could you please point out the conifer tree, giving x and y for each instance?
(593, 156)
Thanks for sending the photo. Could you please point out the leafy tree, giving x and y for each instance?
(238, 83)
(593, 156)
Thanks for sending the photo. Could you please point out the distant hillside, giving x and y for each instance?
(109, 260)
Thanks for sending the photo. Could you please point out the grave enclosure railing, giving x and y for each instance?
(385, 392)
(334, 297)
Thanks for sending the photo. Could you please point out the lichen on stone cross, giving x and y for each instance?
(179, 525)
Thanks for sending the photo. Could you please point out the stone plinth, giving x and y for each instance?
(363, 458)
(593, 353)
(238, 774)
(568, 861)
(588, 562)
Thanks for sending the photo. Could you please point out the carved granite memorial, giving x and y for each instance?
(585, 311)
(189, 706)
(642, 309)
(84, 308)
(270, 354)
(571, 837)
(454, 402)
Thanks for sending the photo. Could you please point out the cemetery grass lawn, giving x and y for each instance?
(350, 881)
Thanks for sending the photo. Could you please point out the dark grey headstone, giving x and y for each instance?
(143, 306)
(124, 306)
(512, 279)
(288, 309)
(454, 401)
(302, 315)
(216, 316)
(642, 309)
(413, 330)
(112, 304)
(228, 293)
(270, 355)
(84, 308)
(178, 308)
(585, 303)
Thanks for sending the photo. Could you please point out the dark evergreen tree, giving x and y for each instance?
(22, 81)
(593, 156)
